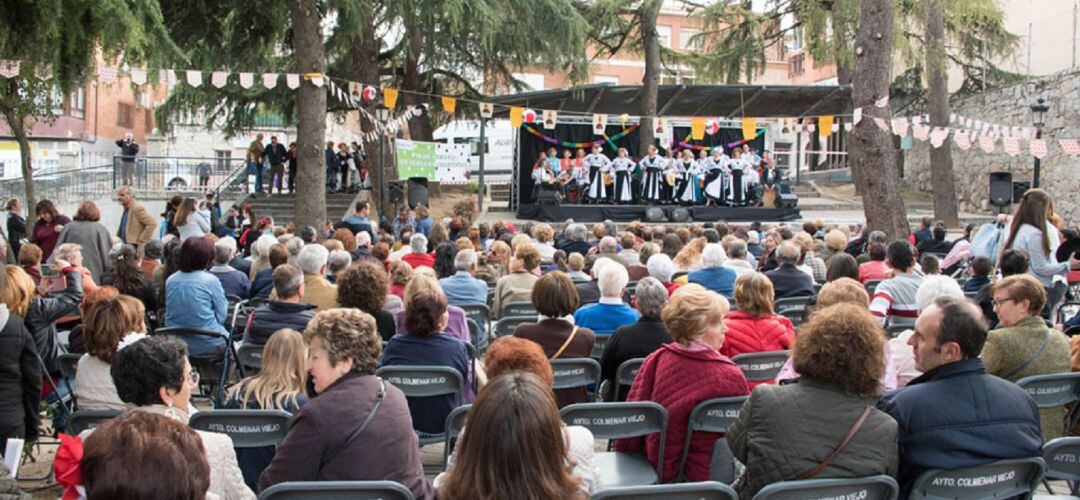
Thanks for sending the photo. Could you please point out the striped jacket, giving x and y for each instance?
(894, 299)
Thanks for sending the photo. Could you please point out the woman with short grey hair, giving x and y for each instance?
(637, 340)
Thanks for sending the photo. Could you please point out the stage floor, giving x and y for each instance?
(629, 213)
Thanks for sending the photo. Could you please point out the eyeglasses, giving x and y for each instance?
(1000, 302)
(194, 377)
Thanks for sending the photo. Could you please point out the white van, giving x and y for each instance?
(499, 150)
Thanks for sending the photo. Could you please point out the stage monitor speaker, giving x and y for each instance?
(549, 197)
(787, 200)
(1001, 188)
(655, 214)
(680, 214)
(1019, 188)
(397, 191)
(418, 192)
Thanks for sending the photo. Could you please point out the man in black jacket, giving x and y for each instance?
(275, 152)
(287, 311)
(788, 280)
(128, 149)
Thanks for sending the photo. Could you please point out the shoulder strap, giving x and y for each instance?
(1030, 359)
(379, 396)
(843, 442)
(566, 343)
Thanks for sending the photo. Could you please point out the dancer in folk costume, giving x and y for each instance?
(740, 164)
(624, 192)
(653, 163)
(716, 176)
(688, 192)
(598, 165)
(670, 175)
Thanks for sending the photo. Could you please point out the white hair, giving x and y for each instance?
(608, 244)
(612, 280)
(661, 267)
(312, 259)
(338, 260)
(294, 244)
(465, 260)
(934, 286)
(363, 239)
(418, 243)
(600, 264)
(227, 241)
(713, 255)
(261, 247)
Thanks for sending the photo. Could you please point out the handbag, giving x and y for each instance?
(566, 343)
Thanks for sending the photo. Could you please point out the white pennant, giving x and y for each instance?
(317, 81)
(246, 80)
(269, 80)
(138, 76)
(194, 78)
(987, 144)
(292, 80)
(108, 75)
(9, 68)
(219, 78)
(962, 140)
(856, 116)
(938, 136)
(848, 127)
(881, 103)
(900, 126)
(1071, 147)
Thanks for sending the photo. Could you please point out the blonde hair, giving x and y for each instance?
(691, 310)
(333, 244)
(835, 240)
(575, 261)
(68, 251)
(690, 255)
(843, 290)
(754, 294)
(422, 281)
(282, 377)
(544, 233)
(19, 291)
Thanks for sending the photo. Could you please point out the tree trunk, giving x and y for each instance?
(419, 126)
(942, 181)
(311, 111)
(651, 81)
(871, 148)
(363, 66)
(17, 123)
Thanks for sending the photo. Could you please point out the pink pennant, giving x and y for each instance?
(1039, 148)
(292, 80)
(882, 124)
(269, 80)
(987, 144)
(194, 78)
(43, 72)
(1070, 146)
(1011, 145)
(962, 140)
(138, 76)
(938, 136)
(920, 131)
(246, 80)
(219, 78)
(9, 68)
(900, 126)
(107, 75)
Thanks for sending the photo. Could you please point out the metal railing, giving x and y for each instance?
(64, 185)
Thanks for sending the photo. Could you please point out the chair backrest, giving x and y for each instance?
(706, 490)
(599, 345)
(905, 323)
(339, 490)
(1052, 390)
(480, 313)
(69, 364)
(711, 415)
(627, 372)
(423, 381)
(455, 421)
(878, 487)
(1003, 479)
(575, 372)
(620, 420)
(182, 333)
(797, 315)
(1062, 457)
(1067, 310)
(88, 419)
(792, 303)
(505, 326)
(518, 309)
(250, 357)
(758, 366)
(871, 286)
(246, 428)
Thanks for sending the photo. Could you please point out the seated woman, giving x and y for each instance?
(424, 279)
(1022, 345)
(640, 339)
(363, 286)
(263, 283)
(695, 318)
(555, 298)
(76, 344)
(123, 458)
(784, 431)
(400, 274)
(521, 452)
(424, 343)
(128, 278)
(358, 428)
(105, 323)
(194, 298)
(518, 285)
(755, 327)
(72, 254)
(152, 375)
(279, 385)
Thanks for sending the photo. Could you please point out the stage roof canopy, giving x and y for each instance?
(759, 101)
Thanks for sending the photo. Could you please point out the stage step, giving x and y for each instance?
(282, 207)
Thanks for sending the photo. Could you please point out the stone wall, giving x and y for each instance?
(1060, 173)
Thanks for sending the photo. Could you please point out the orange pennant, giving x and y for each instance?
(389, 97)
(749, 129)
(449, 104)
(697, 128)
(824, 125)
(515, 115)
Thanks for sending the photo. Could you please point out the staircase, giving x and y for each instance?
(282, 207)
(500, 194)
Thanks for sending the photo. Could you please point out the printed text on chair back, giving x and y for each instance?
(617, 420)
(627, 372)
(1062, 457)
(575, 372)
(1052, 390)
(705, 490)
(423, 381)
(338, 490)
(873, 487)
(598, 346)
(757, 366)
(505, 326)
(518, 309)
(88, 419)
(246, 428)
(1003, 479)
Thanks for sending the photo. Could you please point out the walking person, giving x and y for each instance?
(128, 149)
(275, 154)
(136, 224)
(343, 166)
(254, 158)
(291, 158)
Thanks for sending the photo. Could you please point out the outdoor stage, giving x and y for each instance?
(629, 213)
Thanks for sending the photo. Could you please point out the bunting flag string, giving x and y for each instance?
(686, 144)
(580, 145)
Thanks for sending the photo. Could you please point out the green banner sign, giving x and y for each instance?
(415, 159)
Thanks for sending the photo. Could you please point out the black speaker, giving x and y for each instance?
(1019, 188)
(1001, 188)
(655, 214)
(418, 192)
(680, 214)
(397, 191)
(549, 197)
(787, 200)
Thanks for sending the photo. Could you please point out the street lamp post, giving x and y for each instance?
(1038, 115)
(382, 114)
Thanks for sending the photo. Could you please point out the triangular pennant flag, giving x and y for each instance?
(962, 140)
(659, 124)
(749, 128)
(515, 115)
(697, 128)
(599, 124)
(317, 81)
(881, 103)
(138, 76)
(1039, 148)
(987, 144)
(1071, 147)
(825, 125)
(881, 123)
(389, 97)
(194, 78)
(938, 136)
(9, 68)
(900, 126)
(43, 72)
(292, 80)
(449, 104)
(920, 131)
(550, 117)
(269, 80)
(107, 75)
(952, 118)
(354, 90)
(811, 127)
(848, 126)
(486, 108)
(856, 116)
(247, 80)
(219, 78)
(1011, 145)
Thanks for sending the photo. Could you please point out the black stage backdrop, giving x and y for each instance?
(530, 146)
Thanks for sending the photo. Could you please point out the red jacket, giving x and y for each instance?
(663, 379)
(419, 259)
(748, 333)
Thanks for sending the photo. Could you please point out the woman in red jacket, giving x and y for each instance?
(695, 318)
(754, 327)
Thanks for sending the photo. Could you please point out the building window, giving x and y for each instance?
(56, 102)
(223, 159)
(124, 116)
(795, 40)
(612, 79)
(77, 103)
(796, 65)
(687, 41)
(664, 33)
